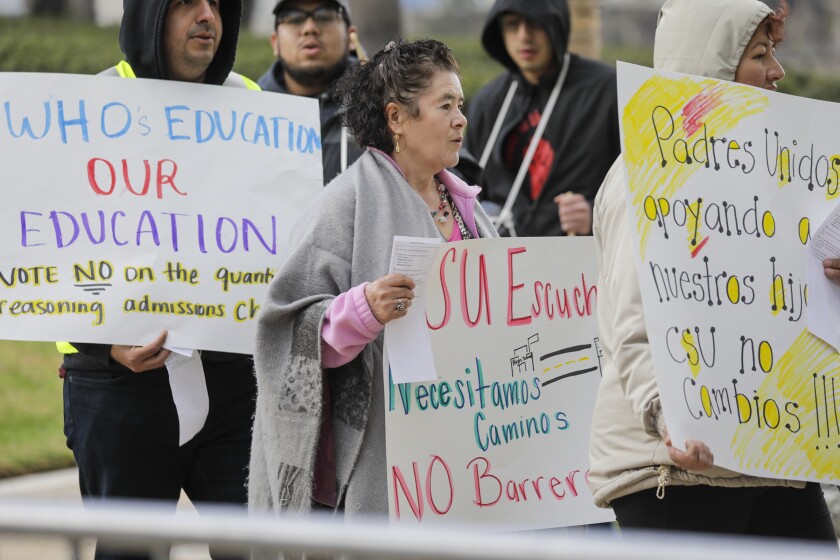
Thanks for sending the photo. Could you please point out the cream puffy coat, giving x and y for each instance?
(627, 452)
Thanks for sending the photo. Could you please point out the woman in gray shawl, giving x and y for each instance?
(319, 429)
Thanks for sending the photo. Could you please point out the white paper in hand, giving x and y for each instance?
(407, 338)
(189, 391)
(824, 294)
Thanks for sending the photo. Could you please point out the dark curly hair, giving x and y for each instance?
(400, 73)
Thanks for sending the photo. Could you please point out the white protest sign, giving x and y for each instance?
(132, 206)
(500, 439)
(725, 182)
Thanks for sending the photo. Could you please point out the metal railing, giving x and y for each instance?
(141, 526)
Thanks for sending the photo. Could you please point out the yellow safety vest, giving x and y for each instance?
(125, 71)
(66, 348)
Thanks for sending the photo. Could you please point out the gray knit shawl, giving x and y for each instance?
(344, 240)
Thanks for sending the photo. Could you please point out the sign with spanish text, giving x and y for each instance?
(725, 184)
(131, 206)
(500, 438)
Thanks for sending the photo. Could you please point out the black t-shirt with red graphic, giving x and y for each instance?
(516, 146)
(579, 145)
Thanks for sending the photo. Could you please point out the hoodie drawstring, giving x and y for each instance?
(664, 480)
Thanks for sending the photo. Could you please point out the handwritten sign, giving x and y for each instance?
(132, 206)
(500, 438)
(724, 185)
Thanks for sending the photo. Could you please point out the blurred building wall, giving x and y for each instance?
(107, 12)
(586, 28)
(378, 21)
(262, 20)
(12, 8)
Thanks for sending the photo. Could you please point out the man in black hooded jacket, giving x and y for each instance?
(119, 415)
(581, 139)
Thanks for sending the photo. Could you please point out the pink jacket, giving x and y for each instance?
(349, 323)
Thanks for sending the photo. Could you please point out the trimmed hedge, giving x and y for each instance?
(54, 45)
(59, 45)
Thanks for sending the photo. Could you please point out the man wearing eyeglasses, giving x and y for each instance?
(311, 41)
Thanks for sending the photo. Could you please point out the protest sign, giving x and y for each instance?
(725, 183)
(133, 206)
(500, 439)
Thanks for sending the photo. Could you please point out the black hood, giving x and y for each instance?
(552, 15)
(141, 39)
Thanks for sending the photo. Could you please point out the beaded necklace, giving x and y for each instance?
(446, 198)
(465, 232)
(445, 213)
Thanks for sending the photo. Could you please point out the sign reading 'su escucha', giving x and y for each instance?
(500, 439)
(133, 206)
(725, 184)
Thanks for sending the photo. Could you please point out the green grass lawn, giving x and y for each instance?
(31, 424)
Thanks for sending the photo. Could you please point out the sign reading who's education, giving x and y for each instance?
(132, 206)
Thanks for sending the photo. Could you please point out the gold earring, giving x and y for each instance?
(397, 143)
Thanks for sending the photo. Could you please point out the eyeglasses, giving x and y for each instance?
(510, 23)
(323, 16)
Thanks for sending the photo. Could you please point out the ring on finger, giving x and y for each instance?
(400, 305)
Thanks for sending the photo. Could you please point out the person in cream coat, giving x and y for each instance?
(649, 481)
